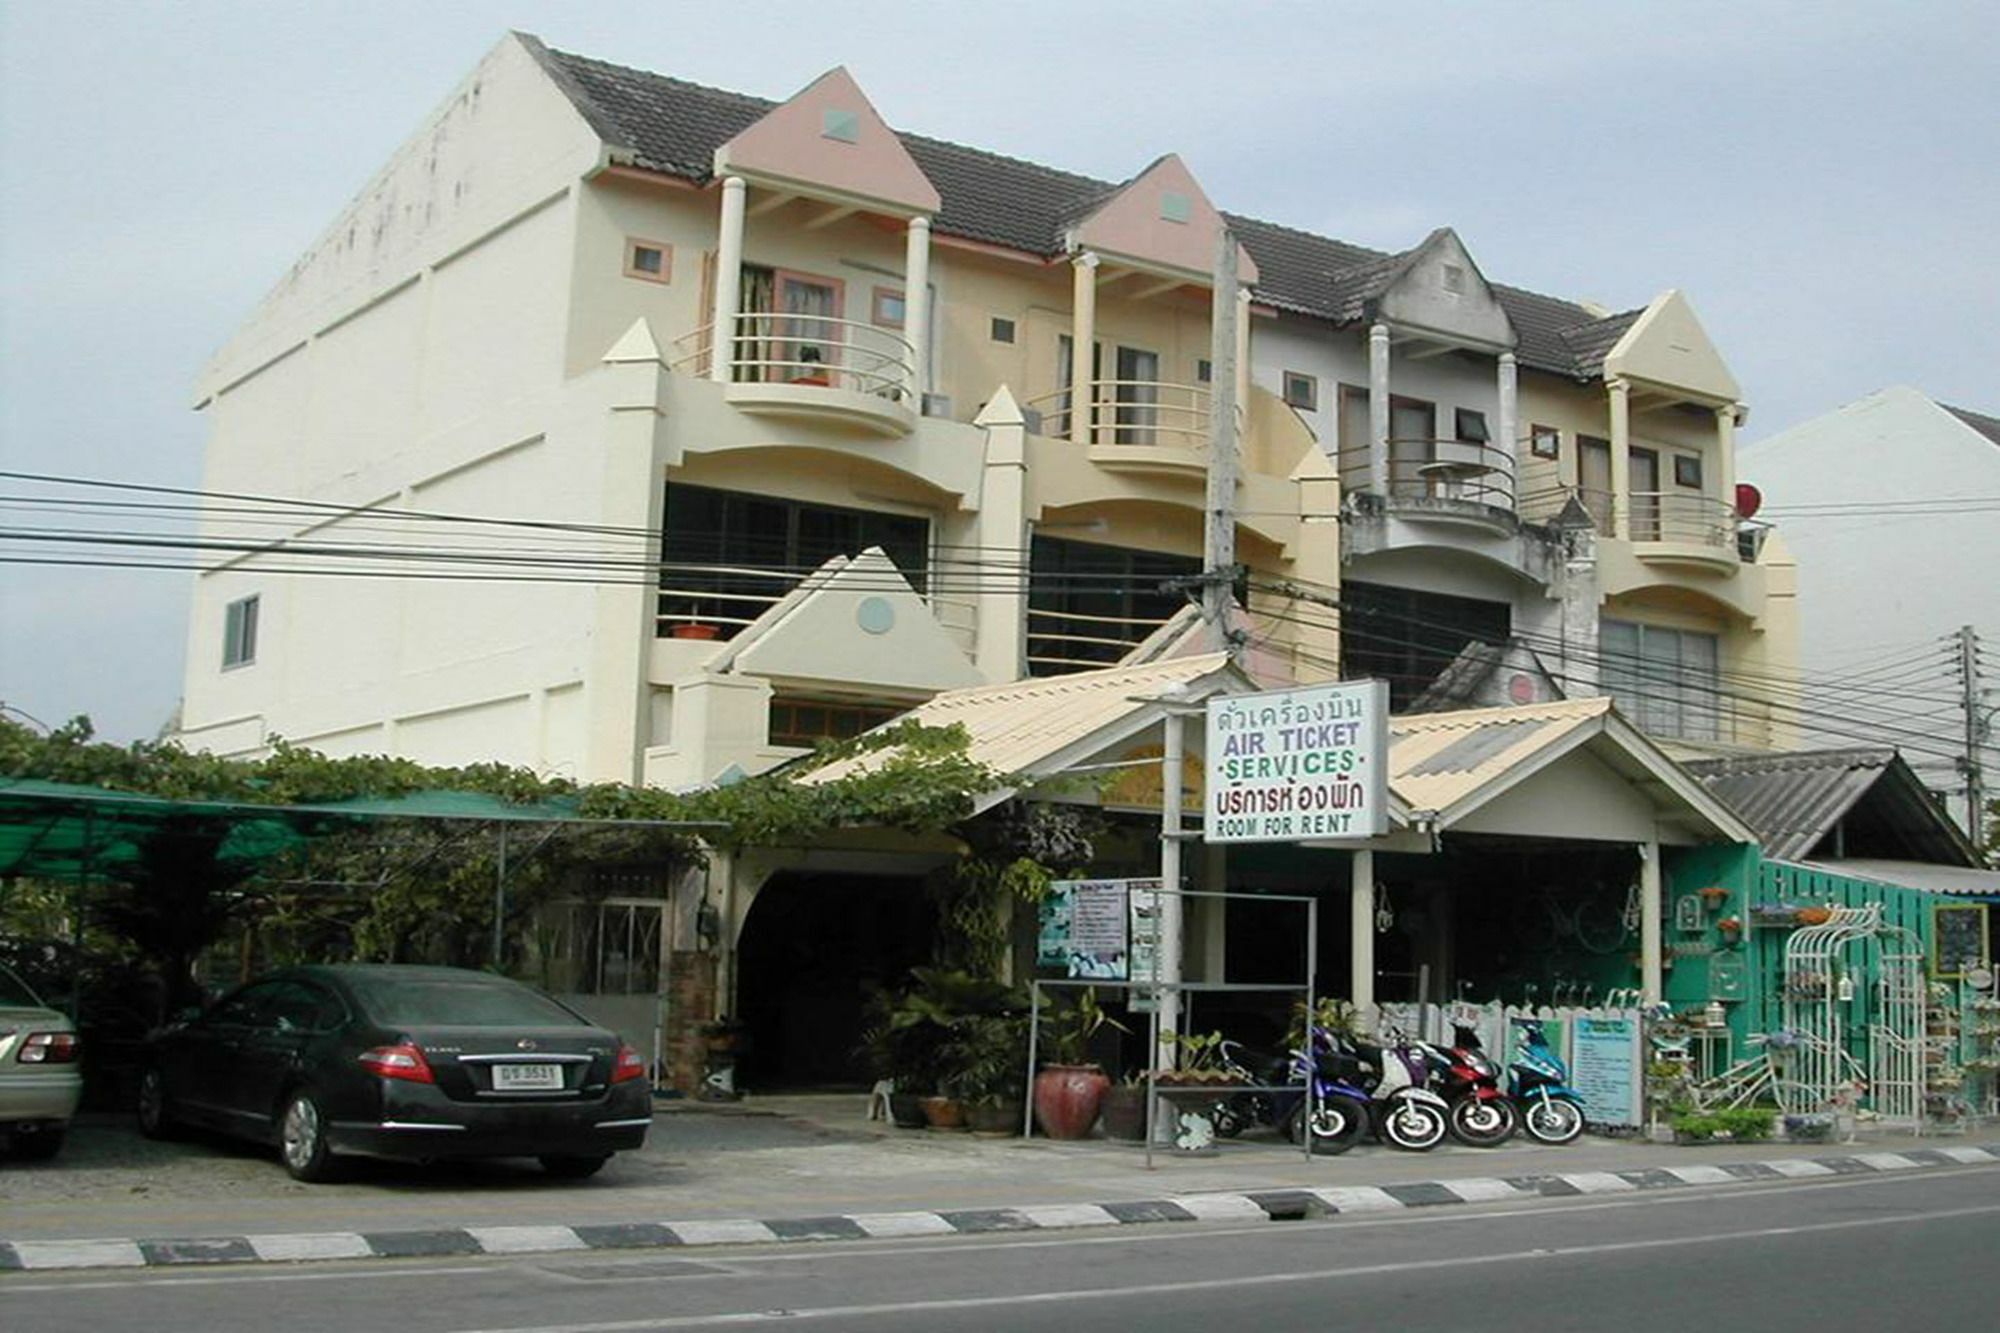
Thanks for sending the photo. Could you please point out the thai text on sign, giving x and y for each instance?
(1306, 763)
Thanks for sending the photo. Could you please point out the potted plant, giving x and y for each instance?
(987, 1057)
(1069, 1090)
(1124, 1110)
(1713, 896)
(926, 1034)
(1729, 927)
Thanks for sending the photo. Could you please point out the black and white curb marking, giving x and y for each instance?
(1261, 1205)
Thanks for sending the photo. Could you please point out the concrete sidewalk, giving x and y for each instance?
(829, 1173)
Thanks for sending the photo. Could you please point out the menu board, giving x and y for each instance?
(1605, 1068)
(1958, 938)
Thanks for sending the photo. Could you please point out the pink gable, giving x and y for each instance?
(828, 137)
(1162, 218)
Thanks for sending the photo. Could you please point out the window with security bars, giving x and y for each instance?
(1667, 682)
(1408, 638)
(727, 555)
(1090, 604)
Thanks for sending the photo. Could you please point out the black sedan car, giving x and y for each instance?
(419, 1063)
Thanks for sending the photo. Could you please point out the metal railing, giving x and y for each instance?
(1142, 412)
(1469, 471)
(1065, 641)
(719, 602)
(768, 347)
(1668, 516)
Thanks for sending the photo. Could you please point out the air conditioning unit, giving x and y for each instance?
(937, 404)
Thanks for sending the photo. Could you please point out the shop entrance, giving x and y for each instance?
(1540, 921)
(813, 947)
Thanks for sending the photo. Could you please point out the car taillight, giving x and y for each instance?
(628, 1065)
(49, 1048)
(405, 1061)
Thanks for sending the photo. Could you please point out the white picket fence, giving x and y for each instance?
(1604, 1046)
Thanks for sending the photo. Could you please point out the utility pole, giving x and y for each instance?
(1219, 550)
(1975, 793)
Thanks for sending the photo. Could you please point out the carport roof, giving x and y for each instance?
(59, 830)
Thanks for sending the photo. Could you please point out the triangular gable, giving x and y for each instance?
(829, 141)
(855, 623)
(1438, 287)
(1455, 764)
(1667, 346)
(1161, 220)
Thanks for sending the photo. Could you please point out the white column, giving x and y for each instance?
(1650, 971)
(1621, 459)
(1509, 434)
(728, 281)
(917, 306)
(1725, 454)
(1361, 923)
(1378, 409)
(1242, 358)
(1083, 338)
(1168, 959)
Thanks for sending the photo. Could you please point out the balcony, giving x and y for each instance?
(1466, 483)
(709, 603)
(1135, 425)
(812, 366)
(1675, 528)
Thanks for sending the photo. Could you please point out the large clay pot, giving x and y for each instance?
(996, 1118)
(1067, 1098)
(906, 1110)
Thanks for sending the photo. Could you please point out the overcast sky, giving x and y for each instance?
(1819, 178)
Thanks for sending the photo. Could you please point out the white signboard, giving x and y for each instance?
(1296, 764)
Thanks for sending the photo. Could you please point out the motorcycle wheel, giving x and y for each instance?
(1336, 1124)
(1484, 1123)
(1229, 1120)
(1554, 1121)
(1413, 1126)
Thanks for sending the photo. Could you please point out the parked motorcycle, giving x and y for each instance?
(1480, 1113)
(1382, 1088)
(1538, 1082)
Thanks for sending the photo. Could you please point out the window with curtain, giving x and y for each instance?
(1666, 681)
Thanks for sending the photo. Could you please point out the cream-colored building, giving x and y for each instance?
(658, 431)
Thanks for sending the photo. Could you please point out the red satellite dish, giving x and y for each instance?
(1748, 500)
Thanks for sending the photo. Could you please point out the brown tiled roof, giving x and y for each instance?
(673, 126)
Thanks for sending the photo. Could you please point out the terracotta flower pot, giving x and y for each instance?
(944, 1113)
(1067, 1099)
(999, 1118)
(1125, 1113)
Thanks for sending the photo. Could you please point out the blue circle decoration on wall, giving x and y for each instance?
(875, 615)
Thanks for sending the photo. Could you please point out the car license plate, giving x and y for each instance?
(527, 1078)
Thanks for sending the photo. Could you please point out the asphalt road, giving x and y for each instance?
(1854, 1253)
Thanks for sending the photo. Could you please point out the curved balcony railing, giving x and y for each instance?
(1468, 471)
(1669, 516)
(1133, 412)
(813, 350)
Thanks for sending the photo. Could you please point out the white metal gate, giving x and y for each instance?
(1854, 992)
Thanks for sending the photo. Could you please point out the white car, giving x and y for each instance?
(40, 1080)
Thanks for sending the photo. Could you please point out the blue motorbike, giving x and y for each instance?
(1538, 1083)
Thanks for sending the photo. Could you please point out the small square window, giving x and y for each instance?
(840, 126)
(1176, 207)
(1302, 391)
(1544, 441)
(239, 633)
(1003, 330)
(889, 312)
(1687, 471)
(1472, 426)
(1204, 371)
(652, 261)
